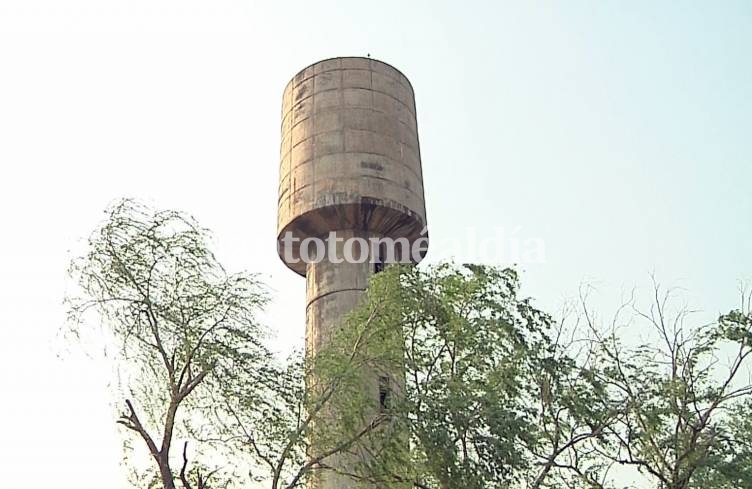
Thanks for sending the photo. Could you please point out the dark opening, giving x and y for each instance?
(378, 260)
(384, 393)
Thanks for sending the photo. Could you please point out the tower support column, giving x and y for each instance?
(335, 288)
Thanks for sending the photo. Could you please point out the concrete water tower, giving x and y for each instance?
(350, 163)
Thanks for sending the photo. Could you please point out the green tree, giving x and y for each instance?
(494, 393)
(485, 390)
(185, 330)
(684, 397)
(489, 396)
(195, 367)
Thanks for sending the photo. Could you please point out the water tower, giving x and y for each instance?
(350, 163)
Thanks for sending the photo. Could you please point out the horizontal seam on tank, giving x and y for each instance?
(288, 154)
(313, 94)
(290, 110)
(303, 141)
(369, 153)
(400, 78)
(412, 171)
(317, 181)
(340, 68)
(358, 289)
(283, 193)
(420, 196)
(335, 109)
(413, 130)
(340, 129)
(342, 87)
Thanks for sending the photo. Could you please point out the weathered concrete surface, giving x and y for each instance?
(332, 291)
(350, 157)
(350, 163)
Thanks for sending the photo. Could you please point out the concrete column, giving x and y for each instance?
(333, 290)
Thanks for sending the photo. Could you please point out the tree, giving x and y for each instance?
(194, 359)
(497, 394)
(280, 437)
(685, 397)
(729, 466)
(484, 389)
(490, 396)
(186, 329)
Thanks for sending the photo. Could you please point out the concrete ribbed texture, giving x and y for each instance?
(350, 163)
(350, 157)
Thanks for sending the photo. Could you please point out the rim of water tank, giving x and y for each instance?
(350, 57)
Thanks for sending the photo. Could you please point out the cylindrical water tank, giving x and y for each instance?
(350, 158)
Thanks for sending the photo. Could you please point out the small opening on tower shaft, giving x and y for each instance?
(378, 260)
(384, 393)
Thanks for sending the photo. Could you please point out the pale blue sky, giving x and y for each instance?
(619, 133)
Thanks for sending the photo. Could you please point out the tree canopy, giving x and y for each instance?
(482, 389)
(498, 394)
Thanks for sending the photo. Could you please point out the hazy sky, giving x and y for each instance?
(619, 133)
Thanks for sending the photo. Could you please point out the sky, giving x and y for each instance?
(618, 133)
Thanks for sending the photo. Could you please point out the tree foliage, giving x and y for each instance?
(186, 330)
(497, 394)
(684, 397)
(485, 390)
(491, 397)
(197, 372)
